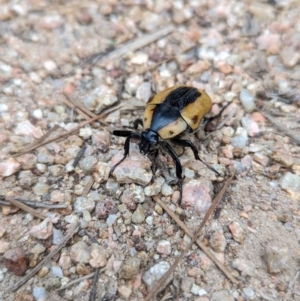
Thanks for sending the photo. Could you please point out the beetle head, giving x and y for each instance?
(149, 141)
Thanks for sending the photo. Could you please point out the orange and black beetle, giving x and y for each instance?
(169, 115)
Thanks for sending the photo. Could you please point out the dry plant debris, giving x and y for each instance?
(71, 74)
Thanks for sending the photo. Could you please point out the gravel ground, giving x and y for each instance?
(56, 59)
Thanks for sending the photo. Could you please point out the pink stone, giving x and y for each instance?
(135, 168)
(57, 196)
(28, 129)
(42, 230)
(197, 194)
(224, 161)
(98, 256)
(4, 246)
(3, 138)
(237, 232)
(251, 126)
(224, 67)
(9, 167)
(269, 42)
(227, 151)
(124, 292)
(198, 67)
(258, 117)
(164, 247)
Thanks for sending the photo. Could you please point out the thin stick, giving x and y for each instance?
(138, 43)
(198, 241)
(72, 106)
(26, 208)
(291, 285)
(80, 109)
(172, 58)
(44, 137)
(281, 127)
(79, 155)
(46, 259)
(34, 204)
(82, 124)
(162, 280)
(88, 187)
(75, 281)
(96, 275)
(94, 285)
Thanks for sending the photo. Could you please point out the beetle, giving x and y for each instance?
(169, 115)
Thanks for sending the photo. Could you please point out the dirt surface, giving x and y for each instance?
(61, 65)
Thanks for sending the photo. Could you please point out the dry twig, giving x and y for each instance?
(136, 44)
(44, 137)
(281, 127)
(25, 208)
(46, 259)
(88, 187)
(78, 108)
(79, 155)
(35, 204)
(82, 124)
(291, 285)
(218, 197)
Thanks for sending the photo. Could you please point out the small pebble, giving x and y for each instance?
(124, 292)
(43, 230)
(155, 273)
(39, 293)
(222, 295)
(57, 272)
(38, 249)
(84, 203)
(246, 267)
(28, 129)
(248, 100)
(197, 195)
(139, 215)
(237, 232)
(9, 167)
(57, 236)
(45, 157)
(111, 219)
(149, 220)
(248, 291)
(40, 188)
(251, 126)
(98, 256)
(135, 168)
(4, 246)
(16, 261)
(164, 247)
(100, 98)
(80, 252)
(291, 183)
(197, 290)
(130, 268)
(155, 188)
(218, 241)
(239, 141)
(277, 258)
(87, 163)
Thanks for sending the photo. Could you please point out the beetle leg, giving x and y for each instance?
(153, 156)
(129, 135)
(137, 122)
(188, 143)
(178, 168)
